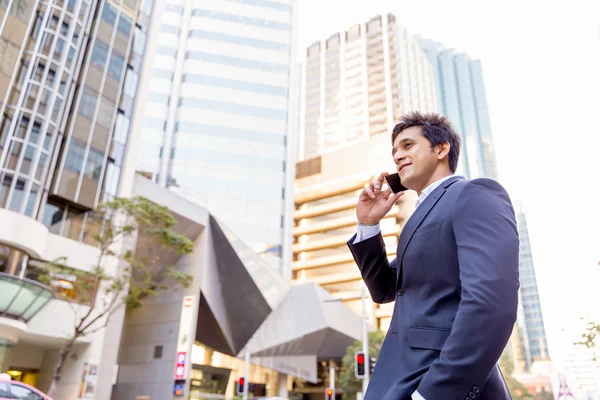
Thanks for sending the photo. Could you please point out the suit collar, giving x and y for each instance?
(419, 215)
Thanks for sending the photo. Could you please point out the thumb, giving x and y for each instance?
(393, 199)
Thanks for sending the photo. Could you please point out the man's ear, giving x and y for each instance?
(443, 150)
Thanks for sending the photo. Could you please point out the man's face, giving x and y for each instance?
(415, 159)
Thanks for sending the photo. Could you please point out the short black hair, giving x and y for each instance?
(436, 128)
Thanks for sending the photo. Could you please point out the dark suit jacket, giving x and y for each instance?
(455, 282)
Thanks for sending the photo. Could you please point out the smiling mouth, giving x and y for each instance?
(402, 167)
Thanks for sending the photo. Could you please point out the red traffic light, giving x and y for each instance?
(360, 358)
(329, 392)
(241, 381)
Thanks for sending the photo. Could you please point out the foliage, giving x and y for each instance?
(348, 382)
(516, 388)
(590, 337)
(136, 276)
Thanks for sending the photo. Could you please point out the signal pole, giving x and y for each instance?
(365, 339)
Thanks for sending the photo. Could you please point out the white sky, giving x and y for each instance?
(541, 62)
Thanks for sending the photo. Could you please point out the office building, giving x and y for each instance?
(67, 86)
(325, 220)
(195, 339)
(357, 83)
(216, 113)
(533, 331)
(461, 97)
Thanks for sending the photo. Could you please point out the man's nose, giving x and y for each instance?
(398, 156)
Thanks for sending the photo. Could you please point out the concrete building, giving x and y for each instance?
(67, 89)
(218, 109)
(327, 189)
(357, 83)
(195, 339)
(461, 97)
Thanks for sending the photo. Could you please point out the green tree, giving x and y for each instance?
(348, 382)
(589, 338)
(138, 276)
(516, 388)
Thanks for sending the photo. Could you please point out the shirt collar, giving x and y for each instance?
(431, 188)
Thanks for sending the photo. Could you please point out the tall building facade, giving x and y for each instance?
(357, 83)
(461, 97)
(533, 333)
(67, 87)
(218, 107)
(325, 219)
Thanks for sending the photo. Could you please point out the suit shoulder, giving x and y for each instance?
(485, 185)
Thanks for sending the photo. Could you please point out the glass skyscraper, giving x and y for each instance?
(461, 97)
(533, 333)
(68, 73)
(216, 116)
(64, 105)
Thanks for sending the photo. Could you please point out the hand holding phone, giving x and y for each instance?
(374, 202)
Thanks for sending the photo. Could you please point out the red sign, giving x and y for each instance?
(180, 366)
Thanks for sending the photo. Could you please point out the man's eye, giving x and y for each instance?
(408, 145)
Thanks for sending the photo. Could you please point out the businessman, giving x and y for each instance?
(455, 278)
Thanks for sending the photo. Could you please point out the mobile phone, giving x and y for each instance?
(393, 181)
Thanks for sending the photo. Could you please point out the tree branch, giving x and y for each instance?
(100, 315)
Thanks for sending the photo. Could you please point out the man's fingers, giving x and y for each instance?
(393, 199)
(381, 179)
(369, 191)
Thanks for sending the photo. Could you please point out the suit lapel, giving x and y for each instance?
(417, 218)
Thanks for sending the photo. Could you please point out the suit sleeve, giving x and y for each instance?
(378, 274)
(488, 255)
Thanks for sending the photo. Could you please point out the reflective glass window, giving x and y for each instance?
(237, 62)
(235, 84)
(53, 215)
(233, 133)
(163, 74)
(169, 29)
(109, 13)
(75, 155)
(240, 19)
(166, 51)
(115, 66)
(241, 109)
(264, 3)
(241, 40)
(125, 25)
(99, 54)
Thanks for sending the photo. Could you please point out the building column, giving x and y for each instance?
(282, 389)
(6, 348)
(9, 337)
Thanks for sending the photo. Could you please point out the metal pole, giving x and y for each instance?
(365, 337)
(332, 377)
(246, 377)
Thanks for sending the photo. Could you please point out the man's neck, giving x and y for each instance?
(434, 178)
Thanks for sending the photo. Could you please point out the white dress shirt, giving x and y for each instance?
(365, 232)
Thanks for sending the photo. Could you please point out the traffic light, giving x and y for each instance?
(329, 394)
(239, 388)
(359, 364)
(372, 362)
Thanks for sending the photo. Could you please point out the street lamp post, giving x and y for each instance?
(365, 335)
(365, 338)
